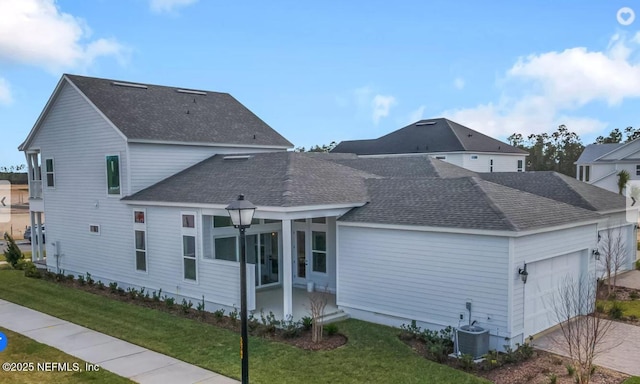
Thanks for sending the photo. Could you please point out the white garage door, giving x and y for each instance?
(546, 277)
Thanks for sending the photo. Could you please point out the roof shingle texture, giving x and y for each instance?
(160, 113)
(428, 136)
(593, 151)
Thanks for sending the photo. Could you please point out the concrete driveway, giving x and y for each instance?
(620, 352)
(629, 279)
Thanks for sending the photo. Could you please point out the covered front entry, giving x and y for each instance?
(546, 279)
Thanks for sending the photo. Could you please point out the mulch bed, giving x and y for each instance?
(538, 369)
(302, 340)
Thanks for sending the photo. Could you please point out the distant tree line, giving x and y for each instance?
(318, 148)
(14, 174)
(557, 151)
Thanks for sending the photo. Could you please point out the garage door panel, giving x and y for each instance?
(546, 278)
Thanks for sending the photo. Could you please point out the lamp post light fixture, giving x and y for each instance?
(523, 273)
(596, 254)
(241, 212)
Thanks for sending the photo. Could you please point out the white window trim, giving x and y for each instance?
(140, 227)
(46, 173)
(520, 168)
(95, 233)
(315, 227)
(106, 175)
(185, 231)
(213, 248)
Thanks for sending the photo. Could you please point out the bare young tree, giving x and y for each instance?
(582, 332)
(613, 255)
(318, 302)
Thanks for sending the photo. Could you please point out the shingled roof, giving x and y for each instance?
(594, 151)
(276, 179)
(414, 190)
(154, 113)
(561, 188)
(428, 136)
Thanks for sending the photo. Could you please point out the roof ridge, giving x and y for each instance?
(587, 202)
(448, 122)
(288, 181)
(476, 181)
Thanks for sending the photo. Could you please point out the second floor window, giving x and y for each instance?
(50, 175)
(113, 175)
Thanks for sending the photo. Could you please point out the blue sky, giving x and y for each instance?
(337, 70)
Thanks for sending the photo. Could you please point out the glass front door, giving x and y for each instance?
(262, 250)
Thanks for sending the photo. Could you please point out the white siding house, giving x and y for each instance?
(599, 164)
(138, 196)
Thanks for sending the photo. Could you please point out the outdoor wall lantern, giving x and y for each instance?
(523, 273)
(241, 212)
(596, 254)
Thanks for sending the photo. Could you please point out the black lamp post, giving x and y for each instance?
(241, 213)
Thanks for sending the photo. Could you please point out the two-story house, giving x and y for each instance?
(600, 164)
(134, 179)
(445, 140)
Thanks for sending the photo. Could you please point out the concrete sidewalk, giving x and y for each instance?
(125, 359)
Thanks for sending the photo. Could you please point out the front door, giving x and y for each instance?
(262, 251)
(300, 260)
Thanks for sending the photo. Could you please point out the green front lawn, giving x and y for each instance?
(23, 349)
(374, 354)
(632, 380)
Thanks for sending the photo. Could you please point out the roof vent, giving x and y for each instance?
(421, 123)
(237, 157)
(130, 85)
(191, 92)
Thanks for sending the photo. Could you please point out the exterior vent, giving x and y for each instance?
(425, 123)
(190, 92)
(473, 340)
(237, 157)
(130, 85)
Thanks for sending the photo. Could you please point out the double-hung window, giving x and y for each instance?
(113, 174)
(140, 239)
(189, 263)
(49, 173)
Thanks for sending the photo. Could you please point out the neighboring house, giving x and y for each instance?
(599, 164)
(139, 192)
(445, 140)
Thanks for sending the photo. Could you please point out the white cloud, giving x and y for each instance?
(458, 83)
(543, 91)
(5, 92)
(381, 106)
(160, 6)
(36, 32)
(417, 115)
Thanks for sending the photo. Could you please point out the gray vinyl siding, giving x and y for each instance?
(543, 246)
(151, 163)
(78, 139)
(424, 276)
(501, 163)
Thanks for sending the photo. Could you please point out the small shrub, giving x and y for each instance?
(307, 322)
(113, 287)
(616, 311)
(12, 254)
(20, 264)
(141, 294)
(219, 313)
(200, 307)
(90, 280)
(60, 277)
(70, 278)
(169, 301)
(30, 270)
(49, 275)
(156, 296)
(233, 315)
(411, 331)
(438, 352)
(81, 279)
(186, 306)
(466, 362)
(633, 295)
(132, 292)
(331, 329)
(290, 328)
(600, 308)
(120, 291)
(553, 379)
(570, 370)
(100, 285)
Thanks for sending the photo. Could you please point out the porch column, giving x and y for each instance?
(287, 275)
(40, 255)
(32, 220)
